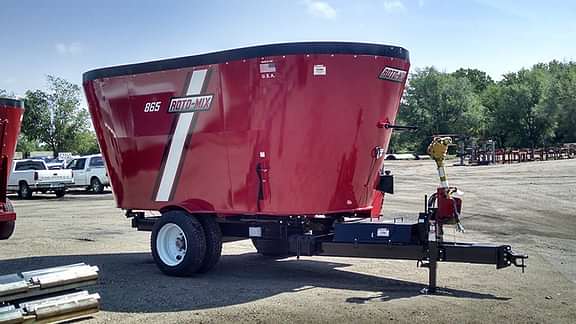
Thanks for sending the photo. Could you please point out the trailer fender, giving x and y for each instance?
(192, 207)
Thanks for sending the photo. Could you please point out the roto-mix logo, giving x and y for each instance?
(190, 103)
(185, 108)
(392, 74)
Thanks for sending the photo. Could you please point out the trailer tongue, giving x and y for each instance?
(424, 240)
(278, 143)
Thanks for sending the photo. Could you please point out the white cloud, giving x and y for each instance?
(69, 49)
(320, 9)
(394, 5)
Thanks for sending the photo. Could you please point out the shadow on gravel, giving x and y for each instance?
(131, 282)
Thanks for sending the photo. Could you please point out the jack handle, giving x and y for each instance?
(388, 125)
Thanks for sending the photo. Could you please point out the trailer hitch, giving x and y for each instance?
(517, 259)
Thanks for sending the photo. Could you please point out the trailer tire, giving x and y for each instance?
(24, 191)
(178, 243)
(272, 248)
(213, 242)
(60, 193)
(7, 228)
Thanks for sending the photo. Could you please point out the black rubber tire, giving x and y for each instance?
(24, 191)
(272, 248)
(60, 193)
(195, 238)
(96, 186)
(213, 242)
(7, 228)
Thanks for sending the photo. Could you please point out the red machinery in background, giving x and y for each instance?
(278, 143)
(11, 111)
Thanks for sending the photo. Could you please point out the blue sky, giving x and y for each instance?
(69, 37)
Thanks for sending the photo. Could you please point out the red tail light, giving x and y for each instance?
(36, 175)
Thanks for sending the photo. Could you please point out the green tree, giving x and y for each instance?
(36, 119)
(438, 103)
(517, 117)
(480, 80)
(26, 145)
(86, 143)
(529, 108)
(55, 118)
(560, 101)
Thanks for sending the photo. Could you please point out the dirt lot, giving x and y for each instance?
(530, 206)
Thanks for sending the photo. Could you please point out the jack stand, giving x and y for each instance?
(434, 237)
(432, 264)
(432, 267)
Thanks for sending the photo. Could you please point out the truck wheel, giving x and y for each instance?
(60, 193)
(178, 243)
(24, 191)
(96, 185)
(213, 242)
(272, 248)
(6, 229)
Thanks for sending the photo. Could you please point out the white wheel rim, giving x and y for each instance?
(171, 244)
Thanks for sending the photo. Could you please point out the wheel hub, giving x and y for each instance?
(171, 244)
(181, 243)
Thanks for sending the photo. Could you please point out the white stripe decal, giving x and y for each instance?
(179, 140)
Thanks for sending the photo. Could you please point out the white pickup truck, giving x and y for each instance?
(28, 176)
(89, 172)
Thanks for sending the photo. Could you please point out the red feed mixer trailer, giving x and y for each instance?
(11, 111)
(279, 143)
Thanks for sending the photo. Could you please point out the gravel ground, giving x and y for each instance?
(530, 206)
